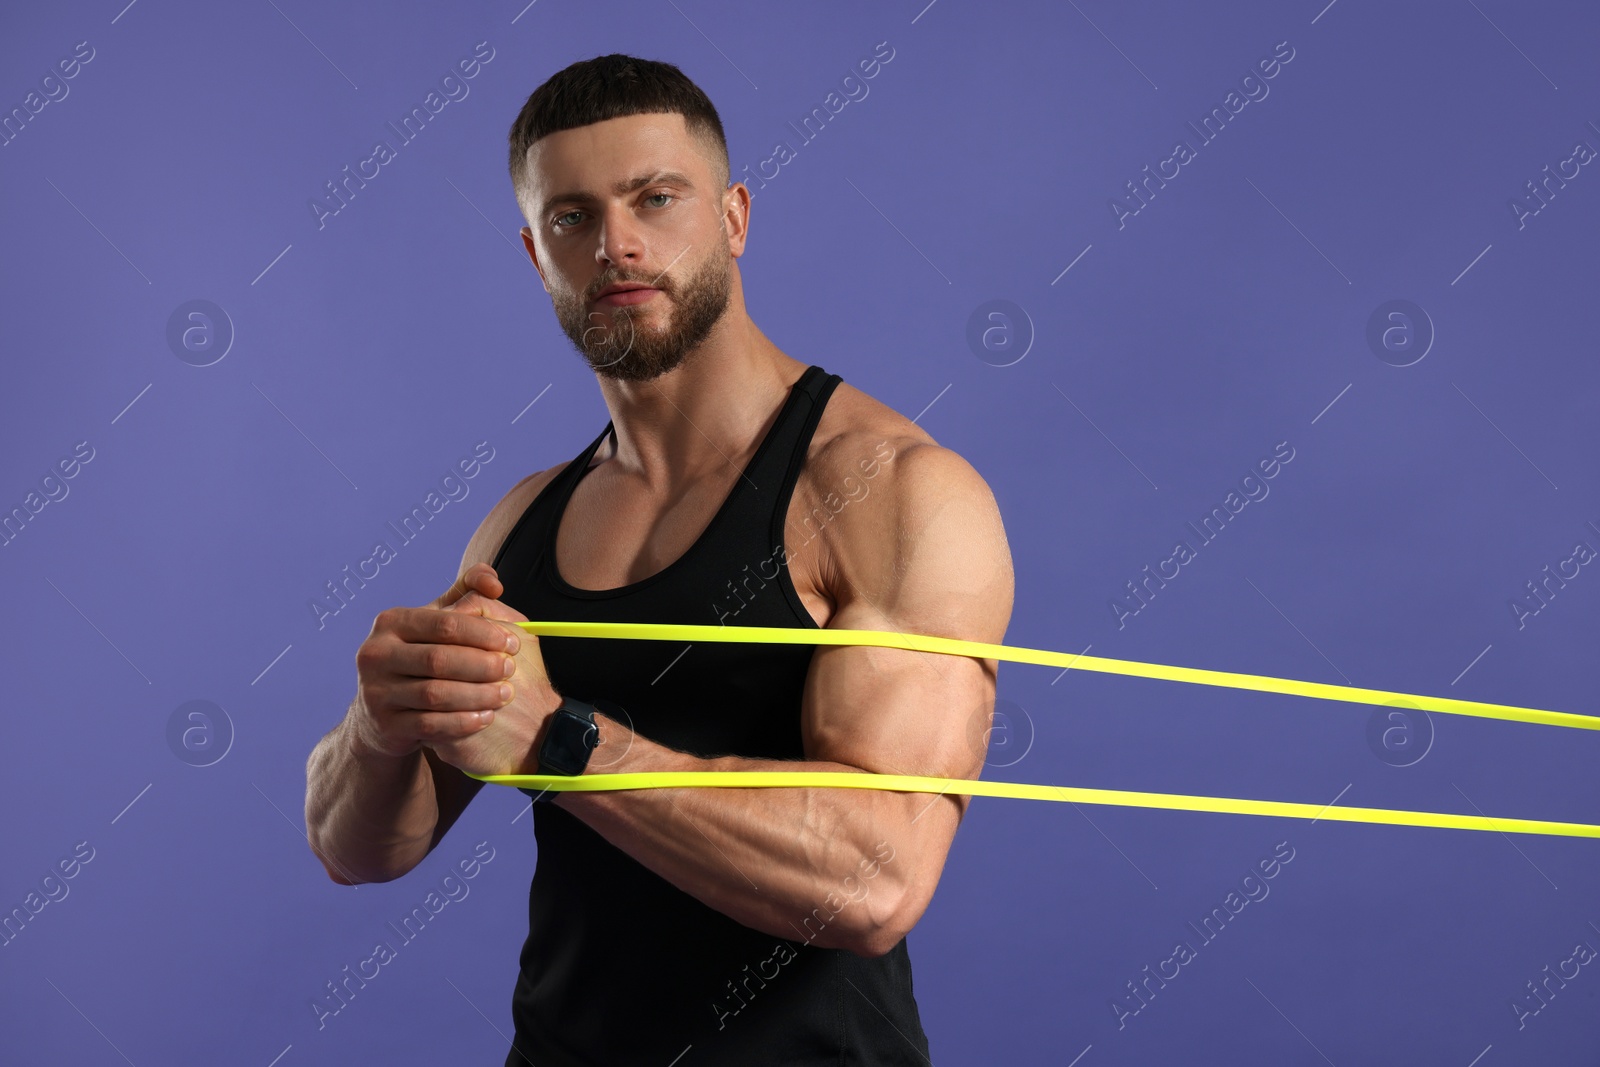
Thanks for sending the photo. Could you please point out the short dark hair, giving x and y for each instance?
(609, 87)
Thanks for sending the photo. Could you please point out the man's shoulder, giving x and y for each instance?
(877, 487)
(860, 438)
(902, 528)
(486, 541)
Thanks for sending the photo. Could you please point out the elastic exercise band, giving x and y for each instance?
(781, 635)
(969, 787)
(908, 783)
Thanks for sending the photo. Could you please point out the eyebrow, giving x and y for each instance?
(621, 188)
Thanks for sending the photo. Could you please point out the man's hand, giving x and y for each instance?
(507, 743)
(433, 675)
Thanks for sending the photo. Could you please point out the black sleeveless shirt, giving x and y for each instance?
(621, 967)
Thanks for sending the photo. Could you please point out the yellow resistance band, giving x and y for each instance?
(969, 787)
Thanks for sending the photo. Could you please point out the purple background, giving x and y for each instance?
(1226, 316)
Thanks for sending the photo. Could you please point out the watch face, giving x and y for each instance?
(572, 738)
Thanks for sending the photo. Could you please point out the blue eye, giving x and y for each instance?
(653, 196)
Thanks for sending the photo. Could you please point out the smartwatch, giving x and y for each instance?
(570, 737)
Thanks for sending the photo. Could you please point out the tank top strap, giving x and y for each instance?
(520, 552)
(814, 389)
(763, 503)
(791, 434)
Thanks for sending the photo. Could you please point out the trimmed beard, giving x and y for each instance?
(614, 344)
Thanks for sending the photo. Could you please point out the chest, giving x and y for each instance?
(613, 534)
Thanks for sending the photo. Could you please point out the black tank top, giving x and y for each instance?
(620, 966)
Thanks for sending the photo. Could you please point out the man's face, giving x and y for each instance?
(666, 233)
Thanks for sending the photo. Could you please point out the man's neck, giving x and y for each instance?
(701, 416)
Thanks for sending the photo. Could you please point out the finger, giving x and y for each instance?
(479, 577)
(443, 695)
(484, 579)
(431, 626)
(488, 607)
(458, 588)
(439, 727)
(460, 663)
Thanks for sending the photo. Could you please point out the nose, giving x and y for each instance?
(621, 241)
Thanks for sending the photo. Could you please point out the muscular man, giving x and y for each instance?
(734, 485)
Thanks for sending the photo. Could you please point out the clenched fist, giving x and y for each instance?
(456, 676)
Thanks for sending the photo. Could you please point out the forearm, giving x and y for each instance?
(806, 863)
(369, 817)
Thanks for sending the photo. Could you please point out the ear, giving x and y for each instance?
(736, 217)
(533, 254)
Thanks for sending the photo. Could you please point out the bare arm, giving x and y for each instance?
(845, 868)
(378, 799)
(385, 807)
(373, 808)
